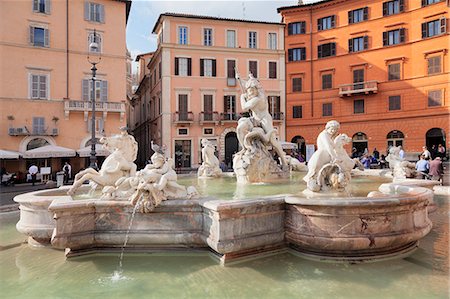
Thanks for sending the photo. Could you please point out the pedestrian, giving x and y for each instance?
(366, 160)
(382, 162)
(436, 169)
(401, 153)
(441, 151)
(354, 153)
(433, 151)
(423, 166)
(223, 166)
(67, 172)
(426, 153)
(376, 154)
(33, 170)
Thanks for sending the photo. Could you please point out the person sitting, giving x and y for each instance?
(382, 162)
(423, 166)
(376, 154)
(366, 160)
(436, 169)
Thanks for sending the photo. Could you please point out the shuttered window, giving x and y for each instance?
(297, 54)
(393, 37)
(429, 2)
(297, 112)
(358, 44)
(434, 65)
(41, 6)
(394, 71)
(358, 106)
(231, 38)
(394, 103)
(38, 87)
(393, 7)
(208, 67)
(252, 40)
(100, 91)
(296, 84)
(297, 28)
(327, 81)
(183, 66)
(326, 23)
(358, 15)
(327, 109)
(253, 68)
(272, 70)
(435, 27)
(434, 98)
(38, 125)
(326, 50)
(94, 12)
(39, 36)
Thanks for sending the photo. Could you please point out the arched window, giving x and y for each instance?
(395, 138)
(37, 142)
(360, 142)
(435, 136)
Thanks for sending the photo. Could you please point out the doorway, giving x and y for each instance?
(231, 147)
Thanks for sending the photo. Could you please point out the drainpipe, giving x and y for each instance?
(67, 49)
(311, 64)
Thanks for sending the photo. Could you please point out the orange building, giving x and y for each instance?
(45, 85)
(189, 91)
(380, 68)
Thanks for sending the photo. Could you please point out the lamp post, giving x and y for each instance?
(93, 49)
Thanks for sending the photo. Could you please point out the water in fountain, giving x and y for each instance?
(118, 273)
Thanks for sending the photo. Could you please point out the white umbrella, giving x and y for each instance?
(9, 154)
(49, 151)
(99, 151)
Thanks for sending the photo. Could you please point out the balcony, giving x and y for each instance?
(209, 117)
(277, 116)
(23, 131)
(367, 87)
(86, 107)
(183, 117)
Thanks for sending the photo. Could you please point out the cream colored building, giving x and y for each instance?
(45, 85)
(191, 92)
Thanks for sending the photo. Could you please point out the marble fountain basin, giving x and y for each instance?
(354, 229)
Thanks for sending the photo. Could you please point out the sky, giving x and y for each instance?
(144, 13)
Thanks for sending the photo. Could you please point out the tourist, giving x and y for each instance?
(33, 170)
(67, 172)
(376, 154)
(441, 151)
(426, 153)
(223, 166)
(423, 166)
(354, 153)
(401, 153)
(433, 151)
(382, 162)
(366, 160)
(436, 169)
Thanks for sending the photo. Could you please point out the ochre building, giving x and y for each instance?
(381, 68)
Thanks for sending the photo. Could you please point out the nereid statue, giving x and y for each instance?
(401, 169)
(254, 163)
(210, 166)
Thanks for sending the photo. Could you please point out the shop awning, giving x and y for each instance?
(99, 151)
(49, 151)
(4, 154)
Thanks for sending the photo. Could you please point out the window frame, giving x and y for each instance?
(234, 39)
(391, 75)
(39, 4)
(301, 54)
(94, 12)
(300, 28)
(437, 66)
(327, 86)
(394, 106)
(322, 47)
(272, 43)
(38, 86)
(327, 109)
(329, 21)
(253, 40)
(182, 35)
(294, 85)
(432, 99)
(208, 40)
(364, 12)
(387, 37)
(355, 106)
(297, 111)
(393, 7)
(270, 74)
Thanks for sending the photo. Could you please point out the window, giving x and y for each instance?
(297, 54)
(393, 37)
(100, 91)
(358, 15)
(182, 153)
(253, 68)
(207, 107)
(182, 35)
(272, 41)
(358, 106)
(434, 98)
(358, 77)
(183, 131)
(231, 38)
(183, 66)
(272, 70)
(327, 109)
(207, 67)
(393, 7)
(395, 138)
(38, 125)
(429, 2)
(39, 36)
(229, 108)
(296, 84)
(434, 65)
(326, 50)
(98, 40)
(274, 107)
(297, 112)
(358, 44)
(42, 6)
(297, 28)
(231, 72)
(394, 71)
(207, 37)
(252, 42)
(327, 81)
(394, 103)
(183, 107)
(326, 23)
(94, 12)
(208, 131)
(99, 125)
(433, 28)
(38, 87)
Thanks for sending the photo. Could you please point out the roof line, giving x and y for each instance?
(279, 9)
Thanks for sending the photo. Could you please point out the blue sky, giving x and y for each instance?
(144, 14)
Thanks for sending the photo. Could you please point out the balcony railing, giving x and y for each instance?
(99, 106)
(23, 131)
(229, 116)
(183, 117)
(277, 116)
(209, 117)
(358, 88)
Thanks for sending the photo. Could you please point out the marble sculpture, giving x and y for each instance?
(401, 169)
(210, 166)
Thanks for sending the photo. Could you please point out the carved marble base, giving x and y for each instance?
(257, 166)
(209, 172)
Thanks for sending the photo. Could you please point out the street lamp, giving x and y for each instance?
(94, 60)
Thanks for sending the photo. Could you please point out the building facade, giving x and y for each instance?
(46, 86)
(381, 68)
(193, 93)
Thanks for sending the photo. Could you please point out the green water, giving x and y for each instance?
(225, 187)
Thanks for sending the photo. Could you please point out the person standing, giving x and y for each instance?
(426, 153)
(33, 170)
(436, 169)
(441, 151)
(423, 166)
(401, 153)
(376, 154)
(67, 172)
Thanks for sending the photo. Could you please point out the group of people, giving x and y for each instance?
(367, 159)
(33, 170)
(430, 163)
